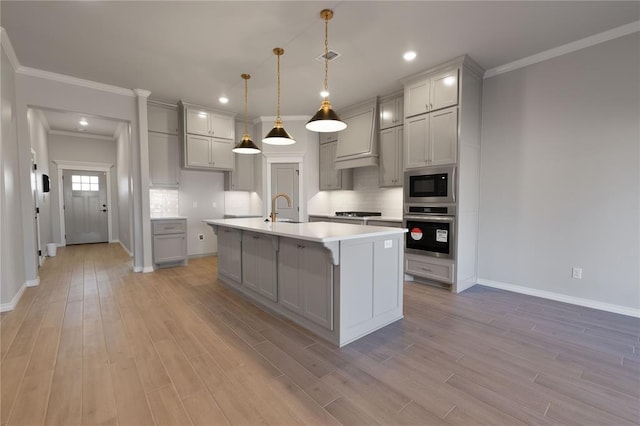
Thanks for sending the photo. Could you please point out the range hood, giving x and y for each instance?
(358, 143)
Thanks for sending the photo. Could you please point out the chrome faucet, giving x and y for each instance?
(273, 204)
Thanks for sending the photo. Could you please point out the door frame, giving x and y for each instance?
(87, 167)
(36, 206)
(271, 158)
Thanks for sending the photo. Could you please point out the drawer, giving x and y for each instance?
(424, 267)
(169, 227)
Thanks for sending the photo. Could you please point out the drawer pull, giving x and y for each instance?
(255, 237)
(426, 269)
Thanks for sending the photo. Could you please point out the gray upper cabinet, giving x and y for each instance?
(162, 118)
(431, 139)
(431, 93)
(242, 177)
(391, 156)
(330, 177)
(358, 143)
(208, 138)
(391, 112)
(164, 159)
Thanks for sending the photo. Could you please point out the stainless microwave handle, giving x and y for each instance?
(453, 184)
(449, 219)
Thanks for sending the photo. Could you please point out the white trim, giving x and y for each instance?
(589, 303)
(61, 78)
(124, 247)
(137, 269)
(81, 135)
(33, 283)
(142, 93)
(565, 48)
(12, 305)
(147, 269)
(280, 157)
(84, 166)
(8, 49)
(42, 118)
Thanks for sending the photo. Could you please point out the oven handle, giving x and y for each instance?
(449, 219)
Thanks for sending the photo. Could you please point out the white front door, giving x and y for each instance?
(85, 207)
(284, 179)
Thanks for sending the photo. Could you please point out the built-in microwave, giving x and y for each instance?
(430, 185)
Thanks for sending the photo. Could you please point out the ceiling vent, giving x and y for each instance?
(331, 55)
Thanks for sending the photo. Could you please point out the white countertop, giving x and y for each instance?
(322, 232)
(167, 217)
(384, 218)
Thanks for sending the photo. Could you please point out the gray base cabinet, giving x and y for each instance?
(230, 253)
(305, 280)
(169, 241)
(259, 272)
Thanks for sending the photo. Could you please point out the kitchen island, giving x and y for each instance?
(339, 281)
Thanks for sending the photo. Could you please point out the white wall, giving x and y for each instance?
(201, 197)
(12, 273)
(39, 143)
(123, 178)
(81, 149)
(560, 184)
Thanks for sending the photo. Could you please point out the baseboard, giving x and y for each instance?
(33, 283)
(126, 250)
(5, 307)
(147, 269)
(137, 269)
(608, 307)
(195, 256)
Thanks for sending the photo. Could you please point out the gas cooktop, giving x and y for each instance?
(358, 214)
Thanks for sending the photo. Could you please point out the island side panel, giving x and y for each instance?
(371, 285)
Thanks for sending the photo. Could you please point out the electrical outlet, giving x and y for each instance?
(201, 237)
(388, 243)
(576, 273)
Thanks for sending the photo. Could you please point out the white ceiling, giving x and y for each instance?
(196, 51)
(70, 122)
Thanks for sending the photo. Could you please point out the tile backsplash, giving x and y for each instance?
(164, 202)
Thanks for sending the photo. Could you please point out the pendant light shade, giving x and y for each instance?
(246, 145)
(326, 119)
(278, 135)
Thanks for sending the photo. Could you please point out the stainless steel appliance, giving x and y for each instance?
(431, 230)
(358, 214)
(430, 185)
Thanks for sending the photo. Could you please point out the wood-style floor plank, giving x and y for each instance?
(95, 343)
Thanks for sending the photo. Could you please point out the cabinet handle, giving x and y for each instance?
(255, 237)
(426, 269)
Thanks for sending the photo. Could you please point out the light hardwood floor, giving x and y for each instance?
(98, 344)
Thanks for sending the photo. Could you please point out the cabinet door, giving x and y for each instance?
(444, 90)
(222, 126)
(388, 113)
(222, 156)
(443, 136)
(242, 174)
(415, 141)
(317, 282)
(328, 137)
(169, 248)
(330, 178)
(416, 98)
(390, 147)
(162, 119)
(251, 260)
(229, 253)
(289, 285)
(259, 264)
(197, 122)
(164, 158)
(197, 151)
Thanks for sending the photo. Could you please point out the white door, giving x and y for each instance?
(85, 207)
(284, 179)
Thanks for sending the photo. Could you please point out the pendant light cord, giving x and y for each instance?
(246, 78)
(278, 108)
(326, 53)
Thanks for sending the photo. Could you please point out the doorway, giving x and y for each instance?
(85, 207)
(36, 209)
(285, 180)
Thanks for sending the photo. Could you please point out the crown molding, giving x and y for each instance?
(142, 93)
(565, 48)
(8, 49)
(47, 75)
(80, 135)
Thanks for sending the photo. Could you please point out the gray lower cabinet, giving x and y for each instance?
(169, 241)
(305, 280)
(259, 254)
(230, 253)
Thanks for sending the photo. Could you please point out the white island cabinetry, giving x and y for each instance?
(339, 281)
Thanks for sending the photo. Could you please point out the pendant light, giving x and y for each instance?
(246, 145)
(326, 120)
(278, 135)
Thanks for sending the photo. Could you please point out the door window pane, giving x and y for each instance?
(84, 183)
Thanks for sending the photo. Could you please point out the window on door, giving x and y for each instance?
(84, 183)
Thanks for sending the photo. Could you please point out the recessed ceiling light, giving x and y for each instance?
(223, 100)
(324, 94)
(409, 56)
(84, 122)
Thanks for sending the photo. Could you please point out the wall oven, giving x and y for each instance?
(430, 185)
(431, 230)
